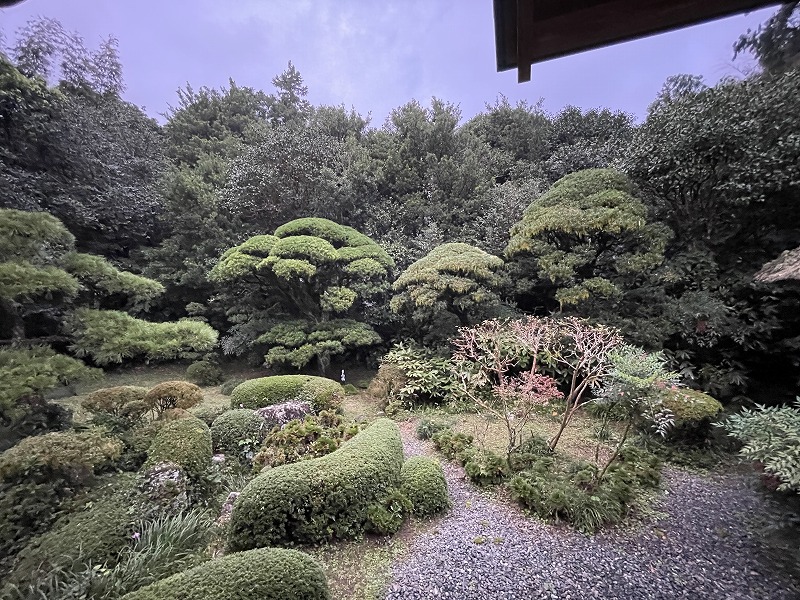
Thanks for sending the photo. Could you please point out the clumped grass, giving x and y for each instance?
(164, 546)
(359, 570)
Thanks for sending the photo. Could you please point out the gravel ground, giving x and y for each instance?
(485, 548)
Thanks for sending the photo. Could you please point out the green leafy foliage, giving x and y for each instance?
(386, 516)
(32, 371)
(22, 281)
(118, 408)
(39, 474)
(320, 499)
(204, 372)
(101, 279)
(95, 535)
(166, 545)
(456, 278)
(558, 489)
(484, 467)
(452, 444)
(112, 336)
(320, 276)
(587, 237)
(172, 394)
(302, 439)
(324, 394)
(185, 442)
(426, 428)
(423, 483)
(261, 574)
(236, 427)
(426, 377)
(771, 436)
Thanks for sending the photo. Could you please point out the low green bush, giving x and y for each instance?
(559, 489)
(451, 444)
(117, 408)
(484, 467)
(208, 413)
(423, 483)
(236, 431)
(303, 439)
(37, 477)
(204, 372)
(528, 452)
(324, 394)
(94, 535)
(262, 574)
(427, 428)
(229, 385)
(173, 394)
(770, 436)
(692, 411)
(386, 516)
(321, 499)
(70, 456)
(185, 442)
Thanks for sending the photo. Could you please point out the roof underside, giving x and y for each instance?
(531, 31)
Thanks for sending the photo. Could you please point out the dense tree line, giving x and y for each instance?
(306, 234)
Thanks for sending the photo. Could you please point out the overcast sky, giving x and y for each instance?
(373, 55)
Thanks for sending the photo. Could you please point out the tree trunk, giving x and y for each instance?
(11, 310)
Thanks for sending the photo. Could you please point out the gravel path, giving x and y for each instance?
(486, 548)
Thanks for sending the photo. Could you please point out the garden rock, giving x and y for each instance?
(280, 414)
(164, 487)
(227, 509)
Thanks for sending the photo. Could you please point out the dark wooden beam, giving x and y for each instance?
(531, 31)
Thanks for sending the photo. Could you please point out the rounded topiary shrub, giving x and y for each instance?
(94, 535)
(118, 408)
(208, 413)
(262, 574)
(324, 394)
(173, 394)
(231, 384)
(320, 499)
(235, 426)
(423, 483)
(692, 411)
(204, 372)
(185, 442)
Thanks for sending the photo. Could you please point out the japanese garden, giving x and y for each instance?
(266, 349)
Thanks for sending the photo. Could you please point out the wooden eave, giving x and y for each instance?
(532, 31)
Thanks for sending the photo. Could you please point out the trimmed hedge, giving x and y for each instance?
(262, 574)
(319, 499)
(185, 442)
(424, 484)
(123, 403)
(233, 426)
(173, 394)
(95, 535)
(204, 372)
(324, 394)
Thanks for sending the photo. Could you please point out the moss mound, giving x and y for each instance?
(185, 442)
(233, 426)
(424, 484)
(691, 407)
(263, 574)
(320, 499)
(324, 394)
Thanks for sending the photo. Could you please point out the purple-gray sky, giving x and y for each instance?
(372, 55)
